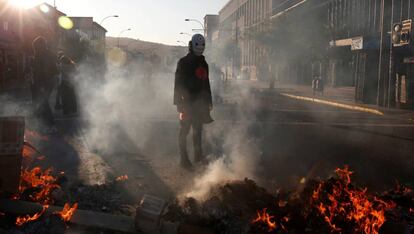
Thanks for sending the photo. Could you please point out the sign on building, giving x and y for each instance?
(357, 43)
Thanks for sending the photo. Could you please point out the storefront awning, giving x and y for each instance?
(359, 43)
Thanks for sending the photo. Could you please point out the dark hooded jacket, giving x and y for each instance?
(192, 86)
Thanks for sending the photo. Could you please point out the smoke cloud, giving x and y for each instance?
(126, 105)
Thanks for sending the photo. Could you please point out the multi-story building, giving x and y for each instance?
(11, 50)
(252, 27)
(237, 19)
(361, 50)
(91, 31)
(211, 23)
(344, 42)
(42, 20)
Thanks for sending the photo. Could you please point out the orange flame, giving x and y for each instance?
(68, 211)
(22, 220)
(122, 178)
(343, 200)
(265, 218)
(344, 174)
(43, 180)
(28, 152)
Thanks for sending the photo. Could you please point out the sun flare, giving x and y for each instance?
(24, 3)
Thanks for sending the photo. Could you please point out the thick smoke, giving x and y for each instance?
(122, 100)
(126, 108)
(240, 161)
(236, 152)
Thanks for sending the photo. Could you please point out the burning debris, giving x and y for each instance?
(68, 211)
(122, 178)
(338, 201)
(37, 185)
(22, 220)
(330, 206)
(46, 188)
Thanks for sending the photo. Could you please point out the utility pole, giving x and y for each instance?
(380, 60)
(237, 41)
(391, 68)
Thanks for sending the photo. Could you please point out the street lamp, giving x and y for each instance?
(184, 33)
(121, 33)
(182, 43)
(110, 16)
(202, 25)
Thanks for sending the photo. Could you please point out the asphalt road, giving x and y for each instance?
(278, 139)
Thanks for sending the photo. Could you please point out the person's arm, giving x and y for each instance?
(208, 89)
(178, 86)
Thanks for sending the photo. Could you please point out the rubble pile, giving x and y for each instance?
(229, 207)
(46, 188)
(101, 198)
(334, 205)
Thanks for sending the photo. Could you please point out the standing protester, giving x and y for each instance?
(272, 78)
(192, 96)
(44, 75)
(66, 95)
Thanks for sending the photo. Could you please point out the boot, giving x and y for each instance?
(185, 163)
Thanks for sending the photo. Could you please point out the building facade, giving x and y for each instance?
(381, 73)
(344, 42)
(11, 47)
(237, 19)
(19, 27)
(211, 23)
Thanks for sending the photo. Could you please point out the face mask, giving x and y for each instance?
(198, 44)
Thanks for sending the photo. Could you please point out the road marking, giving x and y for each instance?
(335, 104)
(286, 123)
(358, 124)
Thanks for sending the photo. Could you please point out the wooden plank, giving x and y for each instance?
(81, 217)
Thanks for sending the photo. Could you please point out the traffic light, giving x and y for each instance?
(401, 33)
(396, 34)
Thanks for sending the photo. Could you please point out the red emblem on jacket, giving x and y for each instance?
(201, 73)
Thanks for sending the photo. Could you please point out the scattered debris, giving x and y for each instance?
(329, 206)
(148, 215)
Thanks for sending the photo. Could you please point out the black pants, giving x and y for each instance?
(66, 98)
(185, 127)
(41, 95)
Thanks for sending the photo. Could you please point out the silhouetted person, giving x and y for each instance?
(66, 94)
(272, 78)
(192, 96)
(44, 75)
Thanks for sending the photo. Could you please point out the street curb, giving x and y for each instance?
(335, 104)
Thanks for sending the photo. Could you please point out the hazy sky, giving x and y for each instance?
(150, 20)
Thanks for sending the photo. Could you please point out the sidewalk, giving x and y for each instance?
(339, 97)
